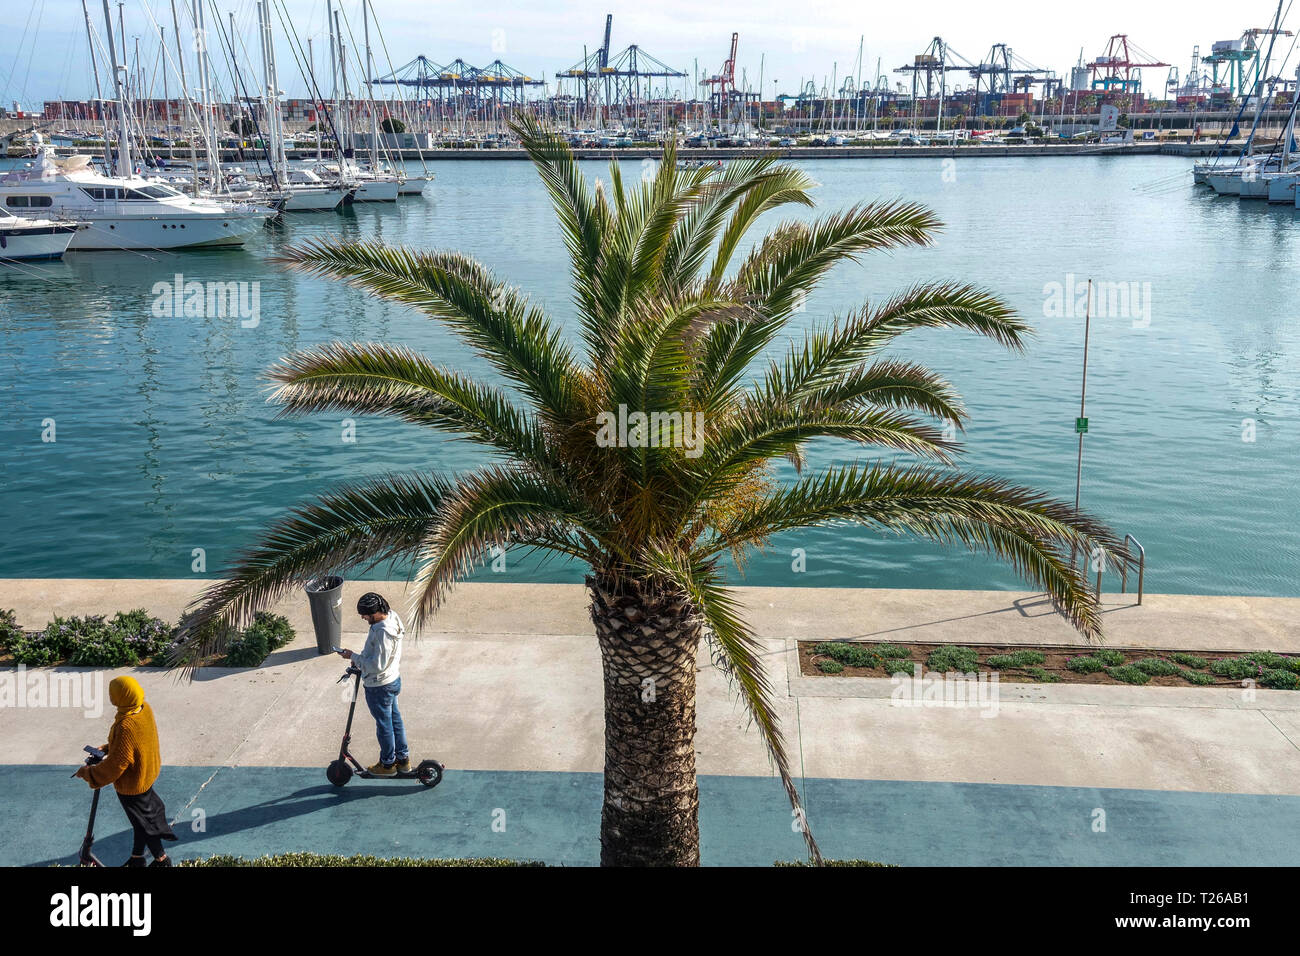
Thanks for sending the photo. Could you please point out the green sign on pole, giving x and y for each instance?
(1081, 425)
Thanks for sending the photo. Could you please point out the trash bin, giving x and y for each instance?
(326, 598)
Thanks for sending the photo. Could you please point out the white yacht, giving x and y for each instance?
(125, 212)
(23, 239)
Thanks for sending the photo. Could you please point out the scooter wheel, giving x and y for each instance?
(429, 773)
(338, 772)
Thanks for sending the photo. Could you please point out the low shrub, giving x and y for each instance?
(146, 635)
(1156, 666)
(897, 665)
(1266, 659)
(1279, 679)
(853, 655)
(324, 859)
(10, 632)
(951, 658)
(1109, 658)
(274, 627)
(1196, 677)
(1086, 664)
(833, 863)
(131, 638)
(248, 649)
(1043, 676)
(1235, 668)
(1128, 674)
(1016, 659)
(34, 651)
(1189, 660)
(892, 650)
(830, 666)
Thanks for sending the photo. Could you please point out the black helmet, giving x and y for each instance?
(372, 603)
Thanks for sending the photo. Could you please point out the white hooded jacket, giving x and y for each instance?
(378, 660)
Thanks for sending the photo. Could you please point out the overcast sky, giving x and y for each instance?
(43, 49)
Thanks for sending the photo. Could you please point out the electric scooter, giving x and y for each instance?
(86, 857)
(428, 772)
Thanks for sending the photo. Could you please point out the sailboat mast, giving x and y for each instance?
(123, 166)
(99, 95)
(185, 94)
(370, 93)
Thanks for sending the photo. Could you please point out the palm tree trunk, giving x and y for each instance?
(648, 641)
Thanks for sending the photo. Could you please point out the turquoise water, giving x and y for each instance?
(164, 442)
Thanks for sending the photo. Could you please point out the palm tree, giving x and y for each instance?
(665, 326)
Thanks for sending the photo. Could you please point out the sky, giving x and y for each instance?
(43, 47)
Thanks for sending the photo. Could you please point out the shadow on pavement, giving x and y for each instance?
(114, 848)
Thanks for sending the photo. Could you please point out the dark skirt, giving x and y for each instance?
(147, 814)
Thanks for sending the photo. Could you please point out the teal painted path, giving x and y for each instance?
(554, 817)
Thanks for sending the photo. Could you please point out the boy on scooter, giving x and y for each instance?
(378, 663)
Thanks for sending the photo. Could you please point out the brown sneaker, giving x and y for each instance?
(381, 769)
(404, 765)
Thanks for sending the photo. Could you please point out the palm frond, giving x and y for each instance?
(499, 323)
(493, 507)
(1031, 531)
(361, 525)
(367, 378)
(583, 216)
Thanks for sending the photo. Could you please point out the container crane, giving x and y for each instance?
(1117, 70)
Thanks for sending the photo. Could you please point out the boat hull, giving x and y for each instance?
(376, 190)
(25, 243)
(413, 187)
(1224, 184)
(313, 200)
(1281, 189)
(168, 232)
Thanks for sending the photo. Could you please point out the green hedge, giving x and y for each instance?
(130, 638)
(330, 859)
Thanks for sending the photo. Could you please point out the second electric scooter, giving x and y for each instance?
(86, 857)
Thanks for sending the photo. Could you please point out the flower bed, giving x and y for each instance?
(1051, 665)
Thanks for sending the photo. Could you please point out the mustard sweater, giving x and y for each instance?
(132, 763)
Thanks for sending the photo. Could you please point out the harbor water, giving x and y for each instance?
(139, 444)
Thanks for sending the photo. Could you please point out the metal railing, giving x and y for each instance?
(1123, 568)
(1142, 566)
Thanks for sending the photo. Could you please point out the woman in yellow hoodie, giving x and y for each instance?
(131, 765)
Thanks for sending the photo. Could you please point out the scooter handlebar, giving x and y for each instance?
(352, 670)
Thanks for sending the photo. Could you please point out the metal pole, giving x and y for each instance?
(123, 166)
(1083, 398)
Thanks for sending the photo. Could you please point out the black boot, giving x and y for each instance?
(165, 861)
(135, 861)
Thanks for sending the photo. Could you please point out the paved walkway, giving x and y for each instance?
(507, 693)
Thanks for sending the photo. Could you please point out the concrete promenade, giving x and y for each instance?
(505, 689)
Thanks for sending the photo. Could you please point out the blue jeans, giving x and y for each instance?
(382, 702)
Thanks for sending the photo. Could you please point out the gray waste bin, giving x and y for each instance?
(326, 597)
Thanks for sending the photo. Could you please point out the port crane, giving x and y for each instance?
(1004, 72)
(619, 77)
(1117, 70)
(1234, 64)
(930, 68)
